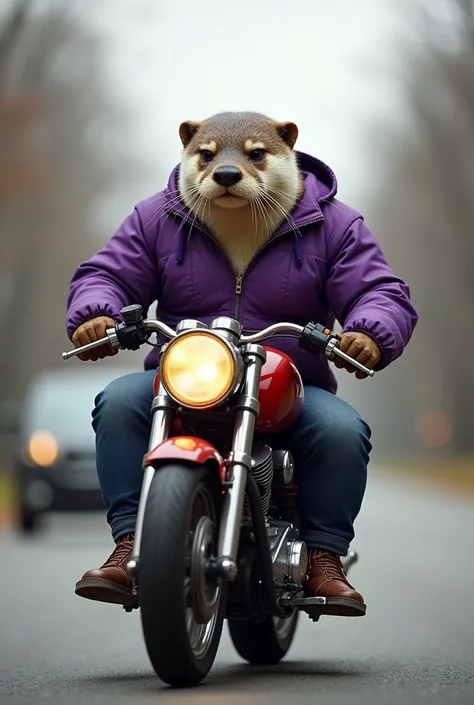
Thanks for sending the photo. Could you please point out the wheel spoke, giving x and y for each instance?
(199, 594)
(283, 626)
(188, 600)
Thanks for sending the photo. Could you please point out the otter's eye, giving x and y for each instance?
(207, 156)
(256, 155)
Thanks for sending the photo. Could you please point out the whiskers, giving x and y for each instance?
(267, 211)
(169, 204)
(271, 211)
(190, 196)
(196, 204)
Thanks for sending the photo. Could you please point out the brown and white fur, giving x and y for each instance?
(243, 216)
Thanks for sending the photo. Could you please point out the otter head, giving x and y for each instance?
(240, 160)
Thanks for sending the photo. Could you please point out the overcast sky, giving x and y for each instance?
(334, 67)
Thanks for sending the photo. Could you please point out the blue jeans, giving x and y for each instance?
(330, 444)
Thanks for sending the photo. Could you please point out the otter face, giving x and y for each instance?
(240, 160)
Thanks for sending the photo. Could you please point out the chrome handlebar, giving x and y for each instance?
(275, 329)
(331, 351)
(85, 348)
(152, 326)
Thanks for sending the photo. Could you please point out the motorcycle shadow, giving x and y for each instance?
(244, 677)
(281, 675)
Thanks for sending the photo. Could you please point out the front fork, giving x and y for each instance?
(239, 463)
(163, 409)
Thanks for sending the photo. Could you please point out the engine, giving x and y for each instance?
(262, 472)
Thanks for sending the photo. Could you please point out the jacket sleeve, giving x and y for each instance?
(123, 272)
(365, 295)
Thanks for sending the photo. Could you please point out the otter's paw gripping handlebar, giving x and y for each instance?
(133, 331)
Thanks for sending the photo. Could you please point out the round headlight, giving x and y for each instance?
(198, 369)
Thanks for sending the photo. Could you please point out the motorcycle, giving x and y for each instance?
(217, 526)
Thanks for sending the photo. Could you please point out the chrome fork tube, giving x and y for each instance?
(162, 410)
(246, 412)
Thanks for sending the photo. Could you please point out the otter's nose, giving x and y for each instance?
(227, 175)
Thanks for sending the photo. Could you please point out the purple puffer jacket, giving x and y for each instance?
(329, 267)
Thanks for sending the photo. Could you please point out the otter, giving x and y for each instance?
(240, 177)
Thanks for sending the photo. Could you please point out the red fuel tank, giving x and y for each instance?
(281, 393)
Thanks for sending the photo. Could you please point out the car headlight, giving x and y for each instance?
(43, 448)
(199, 369)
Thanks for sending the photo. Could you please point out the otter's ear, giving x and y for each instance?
(187, 130)
(288, 132)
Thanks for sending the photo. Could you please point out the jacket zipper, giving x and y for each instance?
(238, 294)
(239, 279)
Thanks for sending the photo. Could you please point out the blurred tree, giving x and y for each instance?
(442, 94)
(18, 175)
(52, 93)
(19, 170)
(426, 215)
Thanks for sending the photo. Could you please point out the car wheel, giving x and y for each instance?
(29, 521)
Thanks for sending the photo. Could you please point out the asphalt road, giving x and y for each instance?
(416, 644)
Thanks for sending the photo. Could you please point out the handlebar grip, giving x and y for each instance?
(354, 363)
(85, 348)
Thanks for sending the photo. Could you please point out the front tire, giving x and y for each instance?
(182, 612)
(263, 643)
(29, 521)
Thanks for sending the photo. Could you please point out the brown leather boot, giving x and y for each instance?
(111, 582)
(326, 578)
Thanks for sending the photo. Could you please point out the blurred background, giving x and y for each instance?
(91, 97)
(90, 103)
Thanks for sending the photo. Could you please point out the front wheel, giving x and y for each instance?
(182, 611)
(29, 521)
(263, 643)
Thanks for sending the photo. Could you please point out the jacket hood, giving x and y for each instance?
(324, 182)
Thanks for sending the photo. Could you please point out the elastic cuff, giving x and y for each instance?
(326, 542)
(123, 526)
(386, 355)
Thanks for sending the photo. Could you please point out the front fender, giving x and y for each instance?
(188, 449)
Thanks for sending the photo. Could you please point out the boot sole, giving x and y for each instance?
(101, 590)
(332, 606)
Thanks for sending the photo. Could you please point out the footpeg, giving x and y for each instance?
(311, 605)
(302, 602)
